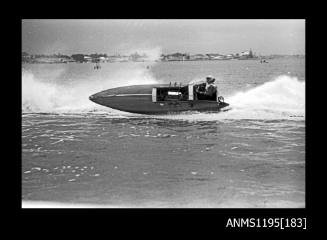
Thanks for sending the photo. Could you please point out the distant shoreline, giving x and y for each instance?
(60, 61)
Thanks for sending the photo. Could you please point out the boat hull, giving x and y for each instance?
(138, 99)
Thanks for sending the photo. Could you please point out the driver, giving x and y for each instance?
(207, 88)
(211, 87)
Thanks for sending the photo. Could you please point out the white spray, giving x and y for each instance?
(40, 95)
(282, 98)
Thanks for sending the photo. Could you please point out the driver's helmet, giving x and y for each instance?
(210, 79)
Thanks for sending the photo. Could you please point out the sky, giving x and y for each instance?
(187, 36)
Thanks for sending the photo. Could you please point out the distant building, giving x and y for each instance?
(216, 56)
(103, 59)
(176, 57)
(199, 57)
(114, 58)
(247, 55)
(87, 59)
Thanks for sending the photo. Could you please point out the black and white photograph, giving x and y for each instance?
(163, 113)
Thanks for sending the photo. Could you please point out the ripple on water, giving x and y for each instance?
(59, 173)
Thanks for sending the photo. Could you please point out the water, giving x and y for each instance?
(74, 151)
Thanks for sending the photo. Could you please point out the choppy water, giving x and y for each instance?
(74, 151)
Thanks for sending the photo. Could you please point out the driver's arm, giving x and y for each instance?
(211, 90)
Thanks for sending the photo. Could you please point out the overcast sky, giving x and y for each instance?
(191, 36)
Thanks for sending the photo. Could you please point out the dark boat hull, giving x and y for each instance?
(138, 99)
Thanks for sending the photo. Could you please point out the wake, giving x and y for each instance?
(282, 98)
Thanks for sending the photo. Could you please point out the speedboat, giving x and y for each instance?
(158, 99)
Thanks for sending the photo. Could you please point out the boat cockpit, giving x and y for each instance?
(188, 92)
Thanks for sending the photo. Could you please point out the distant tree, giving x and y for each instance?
(177, 54)
(78, 57)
